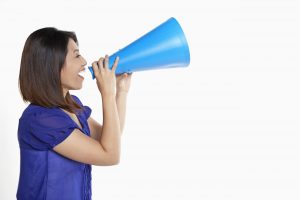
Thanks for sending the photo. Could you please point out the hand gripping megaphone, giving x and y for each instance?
(163, 47)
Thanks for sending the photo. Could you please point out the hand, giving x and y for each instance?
(106, 78)
(123, 82)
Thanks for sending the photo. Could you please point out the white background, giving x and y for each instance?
(226, 127)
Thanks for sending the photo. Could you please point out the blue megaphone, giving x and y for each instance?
(163, 47)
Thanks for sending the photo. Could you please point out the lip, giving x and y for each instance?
(81, 77)
(81, 73)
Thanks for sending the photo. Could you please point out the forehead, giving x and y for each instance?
(72, 45)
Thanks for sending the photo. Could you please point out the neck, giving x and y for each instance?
(65, 91)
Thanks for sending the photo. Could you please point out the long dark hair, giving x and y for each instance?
(42, 60)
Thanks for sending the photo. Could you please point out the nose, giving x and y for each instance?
(83, 61)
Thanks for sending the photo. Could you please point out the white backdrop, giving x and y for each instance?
(226, 127)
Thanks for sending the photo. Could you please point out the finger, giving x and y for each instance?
(119, 76)
(100, 63)
(114, 67)
(129, 75)
(95, 68)
(106, 62)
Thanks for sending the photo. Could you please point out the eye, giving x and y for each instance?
(78, 56)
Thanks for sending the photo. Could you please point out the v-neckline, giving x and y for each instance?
(78, 118)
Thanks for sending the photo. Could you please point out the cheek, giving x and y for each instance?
(63, 76)
(68, 76)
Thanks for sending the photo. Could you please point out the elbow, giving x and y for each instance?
(108, 157)
(115, 160)
(114, 163)
(113, 157)
(110, 160)
(107, 163)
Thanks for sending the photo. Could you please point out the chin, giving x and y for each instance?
(76, 88)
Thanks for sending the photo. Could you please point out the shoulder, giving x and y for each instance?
(32, 110)
(76, 99)
(86, 110)
(43, 128)
(35, 113)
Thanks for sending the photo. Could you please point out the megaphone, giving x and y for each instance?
(163, 47)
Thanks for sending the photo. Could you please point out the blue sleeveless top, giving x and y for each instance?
(45, 174)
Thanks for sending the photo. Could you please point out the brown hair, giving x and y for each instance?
(42, 60)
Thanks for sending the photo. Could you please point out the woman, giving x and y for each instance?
(58, 139)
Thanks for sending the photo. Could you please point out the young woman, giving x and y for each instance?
(58, 138)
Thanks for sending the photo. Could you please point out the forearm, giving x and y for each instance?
(121, 100)
(111, 133)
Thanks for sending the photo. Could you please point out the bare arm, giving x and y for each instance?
(110, 138)
(123, 85)
(121, 100)
(104, 149)
(96, 128)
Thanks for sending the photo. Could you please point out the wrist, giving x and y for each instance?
(121, 97)
(108, 96)
(121, 92)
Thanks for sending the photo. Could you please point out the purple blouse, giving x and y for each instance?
(45, 174)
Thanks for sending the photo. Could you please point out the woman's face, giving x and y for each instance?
(73, 66)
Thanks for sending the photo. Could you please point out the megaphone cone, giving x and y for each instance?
(163, 47)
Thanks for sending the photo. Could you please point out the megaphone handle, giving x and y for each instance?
(92, 71)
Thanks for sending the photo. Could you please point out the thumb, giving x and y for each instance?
(115, 65)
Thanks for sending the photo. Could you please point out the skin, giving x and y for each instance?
(103, 147)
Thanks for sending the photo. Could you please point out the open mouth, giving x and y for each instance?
(82, 74)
